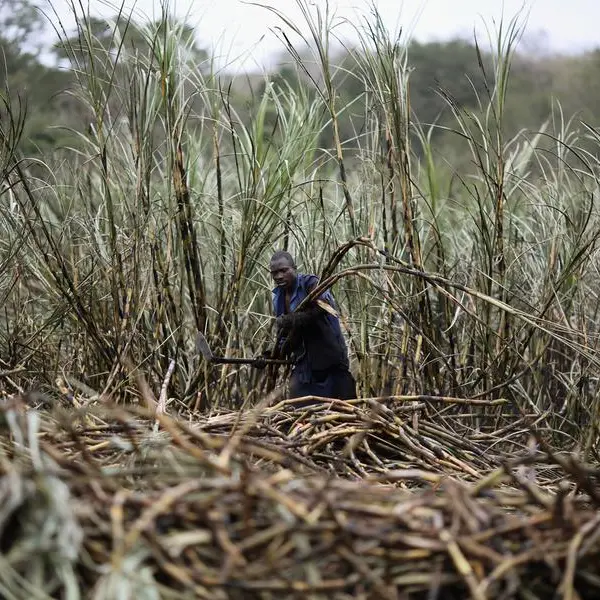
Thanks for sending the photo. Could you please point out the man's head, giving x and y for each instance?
(283, 269)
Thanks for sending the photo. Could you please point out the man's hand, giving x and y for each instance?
(260, 362)
(285, 322)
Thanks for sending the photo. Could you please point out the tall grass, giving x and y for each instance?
(479, 283)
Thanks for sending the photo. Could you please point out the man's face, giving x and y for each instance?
(283, 274)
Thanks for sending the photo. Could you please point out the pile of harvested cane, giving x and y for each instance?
(340, 500)
(361, 437)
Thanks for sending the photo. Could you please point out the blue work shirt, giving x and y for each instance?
(319, 344)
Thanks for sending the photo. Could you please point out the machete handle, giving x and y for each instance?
(248, 361)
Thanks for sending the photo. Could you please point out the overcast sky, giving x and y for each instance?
(236, 28)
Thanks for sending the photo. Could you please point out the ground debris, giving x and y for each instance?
(339, 500)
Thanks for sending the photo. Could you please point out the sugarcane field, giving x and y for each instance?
(324, 331)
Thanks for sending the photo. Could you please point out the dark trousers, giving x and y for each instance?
(331, 383)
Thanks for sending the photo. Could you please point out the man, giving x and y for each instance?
(311, 337)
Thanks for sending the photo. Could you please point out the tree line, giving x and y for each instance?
(546, 89)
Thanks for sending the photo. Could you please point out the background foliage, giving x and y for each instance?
(449, 191)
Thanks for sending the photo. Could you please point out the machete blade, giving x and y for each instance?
(202, 346)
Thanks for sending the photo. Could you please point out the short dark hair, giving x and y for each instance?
(284, 254)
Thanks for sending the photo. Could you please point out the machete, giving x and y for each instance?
(203, 348)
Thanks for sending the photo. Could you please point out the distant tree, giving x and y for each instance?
(117, 50)
(530, 93)
(112, 37)
(449, 68)
(31, 84)
(21, 26)
(576, 83)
